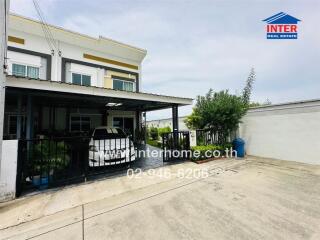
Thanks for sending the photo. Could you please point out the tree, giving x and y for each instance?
(154, 134)
(248, 88)
(221, 112)
(164, 130)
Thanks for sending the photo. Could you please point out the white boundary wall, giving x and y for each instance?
(8, 170)
(286, 131)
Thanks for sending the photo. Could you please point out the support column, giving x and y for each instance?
(144, 115)
(104, 119)
(67, 127)
(175, 119)
(175, 126)
(29, 117)
(19, 116)
(138, 120)
(4, 10)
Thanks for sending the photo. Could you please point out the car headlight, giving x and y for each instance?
(93, 148)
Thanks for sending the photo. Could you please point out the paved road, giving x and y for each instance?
(247, 199)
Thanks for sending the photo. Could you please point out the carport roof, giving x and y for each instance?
(95, 95)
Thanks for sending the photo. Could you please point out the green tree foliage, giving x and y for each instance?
(221, 111)
(154, 133)
(246, 93)
(164, 130)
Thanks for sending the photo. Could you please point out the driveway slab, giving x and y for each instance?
(245, 199)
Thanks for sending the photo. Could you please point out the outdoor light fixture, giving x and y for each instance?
(113, 104)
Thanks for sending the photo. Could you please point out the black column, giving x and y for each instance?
(138, 120)
(19, 120)
(104, 119)
(175, 126)
(175, 121)
(29, 117)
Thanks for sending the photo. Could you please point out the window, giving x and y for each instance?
(125, 123)
(123, 85)
(25, 71)
(18, 70)
(81, 79)
(33, 72)
(80, 123)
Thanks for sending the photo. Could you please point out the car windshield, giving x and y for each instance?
(108, 133)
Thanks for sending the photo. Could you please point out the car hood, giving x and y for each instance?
(109, 144)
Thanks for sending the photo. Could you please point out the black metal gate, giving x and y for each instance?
(176, 146)
(47, 163)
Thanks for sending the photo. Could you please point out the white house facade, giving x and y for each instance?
(73, 83)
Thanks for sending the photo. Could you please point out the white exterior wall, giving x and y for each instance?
(29, 60)
(8, 170)
(73, 46)
(96, 74)
(288, 132)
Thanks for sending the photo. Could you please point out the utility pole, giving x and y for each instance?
(4, 10)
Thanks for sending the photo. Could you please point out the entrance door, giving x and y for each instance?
(125, 123)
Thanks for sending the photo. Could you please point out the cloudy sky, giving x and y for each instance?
(194, 45)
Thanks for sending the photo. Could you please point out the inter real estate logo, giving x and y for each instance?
(282, 26)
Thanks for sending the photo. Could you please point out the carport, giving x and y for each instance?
(44, 111)
(24, 96)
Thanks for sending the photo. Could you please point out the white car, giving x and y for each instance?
(110, 146)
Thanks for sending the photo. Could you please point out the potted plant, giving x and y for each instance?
(47, 157)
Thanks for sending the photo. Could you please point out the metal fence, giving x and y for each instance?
(46, 163)
(208, 136)
(176, 146)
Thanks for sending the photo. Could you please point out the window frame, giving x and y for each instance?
(122, 80)
(123, 122)
(80, 116)
(81, 80)
(26, 66)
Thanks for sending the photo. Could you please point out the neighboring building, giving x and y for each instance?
(81, 83)
(167, 122)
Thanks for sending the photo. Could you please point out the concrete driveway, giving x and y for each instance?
(240, 199)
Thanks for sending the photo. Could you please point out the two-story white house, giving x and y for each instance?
(64, 83)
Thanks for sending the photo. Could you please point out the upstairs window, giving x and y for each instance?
(25, 71)
(81, 79)
(32, 72)
(123, 85)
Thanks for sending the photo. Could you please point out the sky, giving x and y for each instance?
(195, 45)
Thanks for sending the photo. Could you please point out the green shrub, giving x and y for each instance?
(154, 133)
(48, 154)
(164, 130)
(204, 148)
(154, 143)
(140, 134)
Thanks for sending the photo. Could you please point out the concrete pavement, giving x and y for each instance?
(240, 199)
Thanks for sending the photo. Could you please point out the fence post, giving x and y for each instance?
(163, 147)
(193, 138)
(20, 167)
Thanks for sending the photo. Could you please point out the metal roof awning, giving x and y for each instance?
(64, 93)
